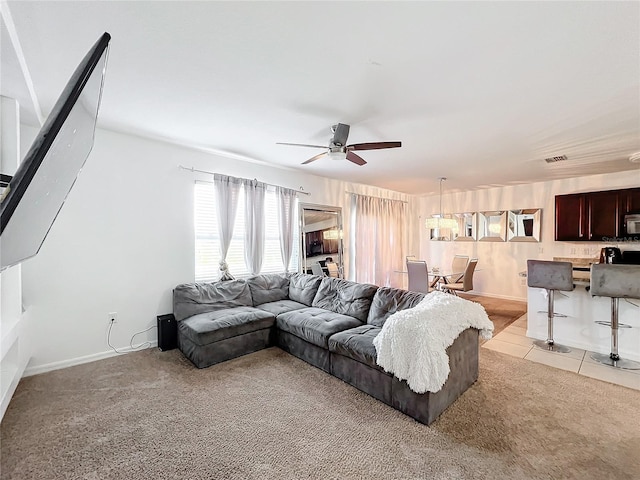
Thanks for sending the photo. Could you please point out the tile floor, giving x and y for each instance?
(513, 341)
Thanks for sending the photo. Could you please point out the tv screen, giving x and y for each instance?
(37, 191)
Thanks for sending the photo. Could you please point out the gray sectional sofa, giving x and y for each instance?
(327, 322)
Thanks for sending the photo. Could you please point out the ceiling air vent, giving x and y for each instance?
(559, 158)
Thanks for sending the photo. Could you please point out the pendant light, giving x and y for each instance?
(441, 222)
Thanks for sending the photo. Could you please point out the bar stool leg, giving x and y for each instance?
(613, 359)
(549, 344)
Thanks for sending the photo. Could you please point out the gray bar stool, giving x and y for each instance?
(615, 281)
(551, 276)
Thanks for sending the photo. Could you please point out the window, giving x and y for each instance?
(208, 241)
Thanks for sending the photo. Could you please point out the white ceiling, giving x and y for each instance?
(479, 92)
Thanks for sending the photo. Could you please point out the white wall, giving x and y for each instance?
(124, 239)
(499, 263)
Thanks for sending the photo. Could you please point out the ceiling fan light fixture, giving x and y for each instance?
(339, 155)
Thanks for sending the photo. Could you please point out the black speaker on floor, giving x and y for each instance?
(167, 332)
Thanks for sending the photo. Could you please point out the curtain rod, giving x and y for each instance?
(373, 196)
(191, 169)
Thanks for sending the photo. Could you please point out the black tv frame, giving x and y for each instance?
(27, 169)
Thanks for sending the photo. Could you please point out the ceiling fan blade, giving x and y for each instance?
(374, 145)
(313, 159)
(340, 135)
(352, 157)
(301, 145)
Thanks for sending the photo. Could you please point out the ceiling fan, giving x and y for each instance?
(338, 148)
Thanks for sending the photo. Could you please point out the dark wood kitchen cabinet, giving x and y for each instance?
(630, 201)
(571, 216)
(603, 215)
(594, 216)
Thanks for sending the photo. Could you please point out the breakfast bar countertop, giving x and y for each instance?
(581, 268)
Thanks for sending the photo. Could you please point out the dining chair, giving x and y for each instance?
(467, 280)
(332, 267)
(458, 266)
(316, 269)
(418, 276)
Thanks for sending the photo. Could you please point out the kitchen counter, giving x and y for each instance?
(581, 268)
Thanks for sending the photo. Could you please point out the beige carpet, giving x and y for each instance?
(268, 415)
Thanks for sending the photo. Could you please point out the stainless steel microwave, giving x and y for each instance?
(632, 224)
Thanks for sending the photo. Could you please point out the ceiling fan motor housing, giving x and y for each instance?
(340, 135)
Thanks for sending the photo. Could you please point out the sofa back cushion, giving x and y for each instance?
(345, 297)
(303, 288)
(193, 298)
(267, 288)
(391, 300)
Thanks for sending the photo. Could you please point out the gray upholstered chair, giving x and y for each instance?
(551, 276)
(316, 269)
(467, 279)
(418, 276)
(615, 281)
(459, 265)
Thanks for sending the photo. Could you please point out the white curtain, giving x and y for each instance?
(254, 193)
(378, 240)
(227, 190)
(286, 218)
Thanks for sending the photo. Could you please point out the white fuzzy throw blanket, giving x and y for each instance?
(412, 343)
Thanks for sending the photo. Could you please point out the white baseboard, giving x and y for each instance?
(48, 367)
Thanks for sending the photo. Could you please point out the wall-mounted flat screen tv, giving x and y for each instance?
(37, 191)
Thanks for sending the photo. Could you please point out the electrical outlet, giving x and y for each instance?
(573, 251)
(523, 282)
(113, 317)
(541, 250)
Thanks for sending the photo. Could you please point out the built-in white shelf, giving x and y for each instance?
(8, 336)
(12, 367)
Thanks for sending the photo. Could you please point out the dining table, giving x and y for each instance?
(442, 277)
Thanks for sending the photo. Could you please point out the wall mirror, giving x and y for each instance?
(321, 240)
(441, 227)
(492, 226)
(466, 230)
(524, 225)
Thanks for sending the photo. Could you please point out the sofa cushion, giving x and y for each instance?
(357, 344)
(281, 306)
(315, 325)
(193, 298)
(387, 301)
(345, 297)
(209, 327)
(268, 288)
(303, 287)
